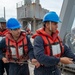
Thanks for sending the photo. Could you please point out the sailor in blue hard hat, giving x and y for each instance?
(48, 47)
(51, 17)
(13, 23)
(18, 49)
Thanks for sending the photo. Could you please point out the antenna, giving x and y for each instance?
(4, 13)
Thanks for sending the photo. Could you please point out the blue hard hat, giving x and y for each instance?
(13, 23)
(51, 16)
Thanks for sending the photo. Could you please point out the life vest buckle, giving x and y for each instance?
(53, 71)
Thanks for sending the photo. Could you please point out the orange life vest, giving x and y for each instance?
(17, 50)
(48, 46)
(3, 34)
(51, 47)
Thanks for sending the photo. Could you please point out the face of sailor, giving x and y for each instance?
(3, 26)
(15, 32)
(52, 26)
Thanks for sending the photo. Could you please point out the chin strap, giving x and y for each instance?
(50, 27)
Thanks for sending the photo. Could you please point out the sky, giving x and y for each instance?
(11, 11)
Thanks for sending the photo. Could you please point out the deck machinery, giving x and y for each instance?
(29, 11)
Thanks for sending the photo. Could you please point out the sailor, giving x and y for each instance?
(48, 47)
(3, 32)
(18, 49)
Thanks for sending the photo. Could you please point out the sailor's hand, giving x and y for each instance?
(35, 62)
(66, 60)
(5, 60)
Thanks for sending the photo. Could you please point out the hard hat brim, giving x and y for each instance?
(15, 27)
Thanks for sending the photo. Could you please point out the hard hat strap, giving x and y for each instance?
(50, 27)
(0, 24)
